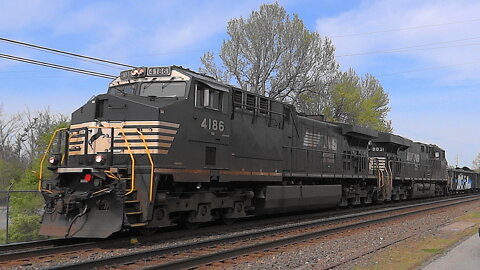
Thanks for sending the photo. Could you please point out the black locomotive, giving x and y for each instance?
(167, 146)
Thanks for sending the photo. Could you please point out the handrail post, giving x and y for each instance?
(151, 164)
(85, 146)
(40, 174)
(132, 158)
(65, 153)
(112, 144)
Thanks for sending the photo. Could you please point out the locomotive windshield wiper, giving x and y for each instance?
(167, 83)
(121, 91)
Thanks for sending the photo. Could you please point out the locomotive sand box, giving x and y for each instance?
(167, 146)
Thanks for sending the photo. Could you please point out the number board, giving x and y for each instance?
(125, 74)
(159, 71)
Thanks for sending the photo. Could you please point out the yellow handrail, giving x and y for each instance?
(111, 175)
(40, 174)
(151, 164)
(131, 157)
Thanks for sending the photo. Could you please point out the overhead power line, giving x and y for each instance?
(416, 47)
(16, 42)
(429, 68)
(405, 28)
(50, 65)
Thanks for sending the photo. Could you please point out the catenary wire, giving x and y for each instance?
(65, 53)
(50, 65)
(404, 29)
(429, 68)
(415, 47)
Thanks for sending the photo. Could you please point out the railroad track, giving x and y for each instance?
(42, 248)
(19, 251)
(205, 252)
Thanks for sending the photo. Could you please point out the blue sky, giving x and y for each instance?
(432, 77)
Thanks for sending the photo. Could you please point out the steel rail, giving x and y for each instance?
(29, 245)
(42, 248)
(196, 261)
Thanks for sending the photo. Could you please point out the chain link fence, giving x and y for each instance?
(20, 215)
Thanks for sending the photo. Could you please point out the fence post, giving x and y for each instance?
(8, 207)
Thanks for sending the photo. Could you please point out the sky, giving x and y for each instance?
(426, 54)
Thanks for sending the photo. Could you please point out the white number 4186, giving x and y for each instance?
(213, 124)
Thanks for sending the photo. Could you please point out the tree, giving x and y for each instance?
(25, 207)
(9, 127)
(476, 163)
(351, 99)
(23, 138)
(273, 54)
(374, 105)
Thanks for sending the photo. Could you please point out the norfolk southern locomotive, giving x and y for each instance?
(168, 146)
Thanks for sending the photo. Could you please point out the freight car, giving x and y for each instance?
(167, 146)
(462, 180)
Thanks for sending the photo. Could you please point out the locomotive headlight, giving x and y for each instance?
(100, 159)
(53, 160)
(138, 72)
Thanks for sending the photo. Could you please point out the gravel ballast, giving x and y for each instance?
(325, 252)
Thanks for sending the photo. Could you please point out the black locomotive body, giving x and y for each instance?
(169, 146)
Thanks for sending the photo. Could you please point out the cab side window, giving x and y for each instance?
(207, 97)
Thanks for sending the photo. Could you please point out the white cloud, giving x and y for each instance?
(436, 105)
(373, 16)
(19, 15)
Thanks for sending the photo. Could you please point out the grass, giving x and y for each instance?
(414, 252)
(432, 250)
(2, 237)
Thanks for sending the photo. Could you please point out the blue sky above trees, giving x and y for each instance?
(432, 77)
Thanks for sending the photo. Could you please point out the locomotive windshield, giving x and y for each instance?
(163, 89)
(127, 89)
(151, 89)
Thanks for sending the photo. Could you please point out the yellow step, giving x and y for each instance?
(134, 213)
(138, 224)
(132, 201)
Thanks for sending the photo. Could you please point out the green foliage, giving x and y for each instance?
(2, 237)
(26, 207)
(274, 54)
(25, 210)
(24, 228)
(9, 172)
(359, 101)
(23, 140)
